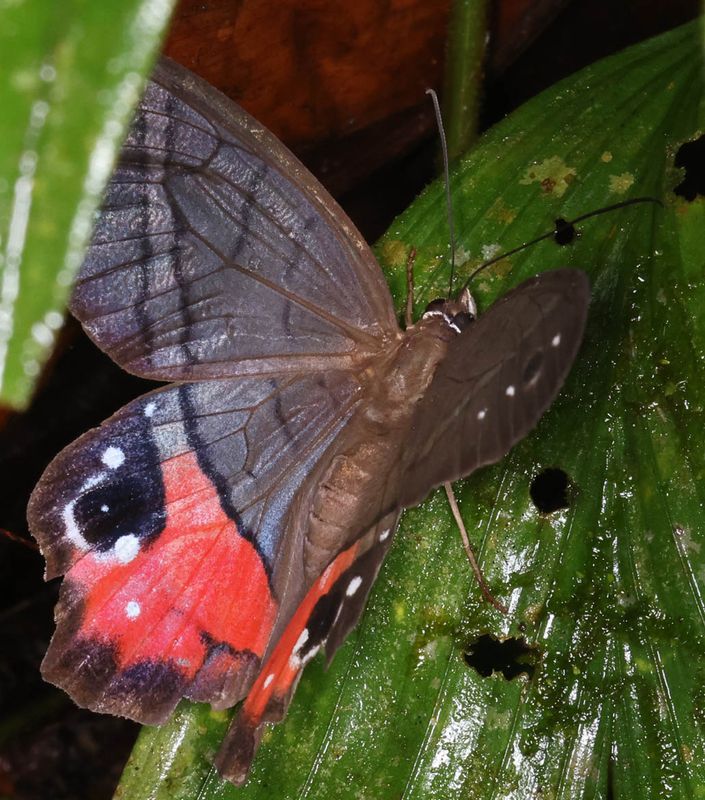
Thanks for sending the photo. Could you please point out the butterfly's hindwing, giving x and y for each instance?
(184, 591)
(497, 379)
(328, 613)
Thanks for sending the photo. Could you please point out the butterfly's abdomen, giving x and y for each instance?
(361, 482)
(346, 498)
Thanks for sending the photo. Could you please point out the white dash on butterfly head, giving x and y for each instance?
(126, 548)
(132, 609)
(510, 390)
(353, 586)
(556, 340)
(481, 414)
(113, 457)
(268, 680)
(385, 534)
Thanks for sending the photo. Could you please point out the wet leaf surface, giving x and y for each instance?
(605, 593)
(71, 74)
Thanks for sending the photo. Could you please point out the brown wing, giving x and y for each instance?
(498, 378)
(217, 254)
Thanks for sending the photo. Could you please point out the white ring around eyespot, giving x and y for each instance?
(73, 532)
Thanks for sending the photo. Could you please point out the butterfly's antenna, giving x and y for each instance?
(561, 227)
(446, 176)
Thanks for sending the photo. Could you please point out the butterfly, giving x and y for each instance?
(218, 532)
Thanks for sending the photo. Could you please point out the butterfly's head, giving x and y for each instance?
(458, 314)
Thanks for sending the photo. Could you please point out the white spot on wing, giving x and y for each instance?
(509, 391)
(311, 653)
(133, 610)
(556, 340)
(301, 641)
(268, 680)
(149, 409)
(105, 508)
(113, 457)
(385, 535)
(295, 660)
(353, 586)
(126, 548)
(482, 413)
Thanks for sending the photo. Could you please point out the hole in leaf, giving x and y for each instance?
(549, 490)
(564, 232)
(691, 157)
(511, 657)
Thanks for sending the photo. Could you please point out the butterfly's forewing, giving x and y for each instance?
(498, 378)
(218, 254)
(168, 522)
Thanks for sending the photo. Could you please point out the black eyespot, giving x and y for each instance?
(123, 505)
(462, 319)
(691, 158)
(533, 367)
(511, 657)
(549, 490)
(435, 305)
(564, 232)
(122, 491)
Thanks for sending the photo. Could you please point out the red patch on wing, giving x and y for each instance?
(277, 679)
(279, 673)
(199, 576)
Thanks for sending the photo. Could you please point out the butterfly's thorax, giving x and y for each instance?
(398, 383)
(360, 483)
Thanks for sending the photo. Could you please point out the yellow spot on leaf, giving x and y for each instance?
(619, 184)
(394, 252)
(552, 174)
(500, 211)
(643, 665)
(606, 157)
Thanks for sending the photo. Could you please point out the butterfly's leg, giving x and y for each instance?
(16, 538)
(468, 550)
(409, 312)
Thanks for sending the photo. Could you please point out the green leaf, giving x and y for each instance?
(71, 74)
(607, 593)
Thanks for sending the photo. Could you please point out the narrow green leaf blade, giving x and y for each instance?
(71, 74)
